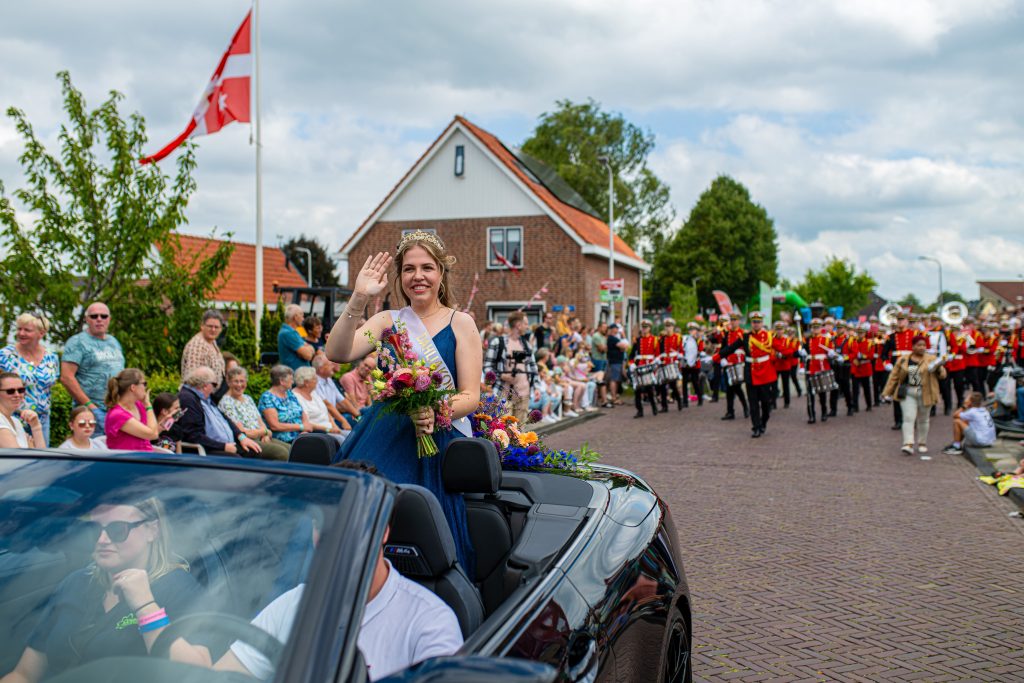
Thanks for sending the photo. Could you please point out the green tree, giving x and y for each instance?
(946, 298)
(270, 325)
(573, 137)
(96, 216)
(837, 283)
(323, 267)
(911, 301)
(240, 335)
(684, 303)
(728, 241)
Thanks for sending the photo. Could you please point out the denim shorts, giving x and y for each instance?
(615, 372)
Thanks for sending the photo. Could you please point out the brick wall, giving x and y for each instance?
(549, 256)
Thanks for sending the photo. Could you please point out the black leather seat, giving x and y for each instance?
(314, 448)
(472, 466)
(420, 546)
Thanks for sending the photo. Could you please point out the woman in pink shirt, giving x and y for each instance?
(131, 423)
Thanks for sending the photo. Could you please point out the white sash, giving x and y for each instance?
(423, 345)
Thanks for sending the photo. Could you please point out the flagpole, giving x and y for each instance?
(259, 169)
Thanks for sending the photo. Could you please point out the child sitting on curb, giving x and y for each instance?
(972, 426)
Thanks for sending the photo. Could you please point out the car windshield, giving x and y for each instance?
(93, 553)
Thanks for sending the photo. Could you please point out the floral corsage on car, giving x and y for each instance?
(521, 449)
(406, 384)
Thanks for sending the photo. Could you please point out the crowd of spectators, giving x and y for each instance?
(211, 412)
(558, 367)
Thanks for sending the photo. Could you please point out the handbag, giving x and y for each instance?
(901, 391)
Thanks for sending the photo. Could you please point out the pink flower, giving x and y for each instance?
(422, 382)
(411, 356)
(403, 377)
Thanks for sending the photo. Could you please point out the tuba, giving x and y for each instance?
(953, 313)
(887, 316)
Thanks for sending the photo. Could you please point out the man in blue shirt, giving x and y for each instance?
(203, 423)
(292, 349)
(90, 359)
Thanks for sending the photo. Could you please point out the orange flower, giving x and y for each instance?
(527, 438)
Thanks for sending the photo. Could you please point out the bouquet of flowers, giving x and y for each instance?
(520, 449)
(406, 384)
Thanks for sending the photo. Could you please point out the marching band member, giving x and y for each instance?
(781, 363)
(715, 339)
(816, 354)
(794, 361)
(733, 390)
(862, 358)
(956, 366)
(938, 346)
(692, 347)
(841, 367)
(988, 357)
(759, 347)
(974, 348)
(881, 372)
(671, 343)
(899, 344)
(645, 351)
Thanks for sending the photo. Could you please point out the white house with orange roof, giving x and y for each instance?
(512, 223)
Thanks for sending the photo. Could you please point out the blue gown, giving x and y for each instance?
(389, 442)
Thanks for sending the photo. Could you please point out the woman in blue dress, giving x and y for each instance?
(421, 280)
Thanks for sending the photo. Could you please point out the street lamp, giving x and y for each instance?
(939, 264)
(309, 263)
(607, 163)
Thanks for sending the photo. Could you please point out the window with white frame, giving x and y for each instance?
(504, 247)
(498, 311)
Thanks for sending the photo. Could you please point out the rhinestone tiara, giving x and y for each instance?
(420, 236)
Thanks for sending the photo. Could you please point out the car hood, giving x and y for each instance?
(630, 498)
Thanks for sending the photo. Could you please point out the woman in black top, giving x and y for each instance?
(95, 612)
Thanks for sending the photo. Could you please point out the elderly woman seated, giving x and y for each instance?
(316, 410)
(241, 409)
(120, 603)
(280, 408)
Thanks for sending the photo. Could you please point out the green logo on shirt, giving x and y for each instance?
(126, 621)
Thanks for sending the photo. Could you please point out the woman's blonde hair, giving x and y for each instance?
(430, 243)
(37, 320)
(120, 383)
(161, 560)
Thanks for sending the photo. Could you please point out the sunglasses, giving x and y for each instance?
(12, 392)
(83, 423)
(117, 532)
(98, 316)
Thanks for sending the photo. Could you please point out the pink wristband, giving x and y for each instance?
(154, 616)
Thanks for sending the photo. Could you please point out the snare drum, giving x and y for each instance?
(829, 379)
(645, 375)
(734, 374)
(670, 373)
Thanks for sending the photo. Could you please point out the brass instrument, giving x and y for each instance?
(887, 316)
(953, 313)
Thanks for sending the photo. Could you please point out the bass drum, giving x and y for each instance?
(644, 375)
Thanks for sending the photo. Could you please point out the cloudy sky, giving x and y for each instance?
(875, 130)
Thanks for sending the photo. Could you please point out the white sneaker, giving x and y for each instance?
(922, 449)
(549, 419)
(571, 413)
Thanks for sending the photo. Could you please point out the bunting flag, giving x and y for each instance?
(226, 98)
(536, 297)
(724, 303)
(472, 292)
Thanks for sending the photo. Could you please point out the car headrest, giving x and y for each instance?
(314, 448)
(420, 543)
(471, 466)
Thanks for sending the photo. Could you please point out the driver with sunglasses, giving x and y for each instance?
(119, 604)
(90, 359)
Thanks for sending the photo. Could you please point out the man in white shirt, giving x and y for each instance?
(691, 363)
(403, 624)
(327, 389)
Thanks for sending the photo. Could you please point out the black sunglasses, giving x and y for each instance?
(98, 316)
(12, 392)
(117, 532)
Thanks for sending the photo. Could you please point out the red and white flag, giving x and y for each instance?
(226, 98)
(504, 261)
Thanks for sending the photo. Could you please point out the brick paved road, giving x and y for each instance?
(821, 553)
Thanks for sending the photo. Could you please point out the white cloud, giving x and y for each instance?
(857, 125)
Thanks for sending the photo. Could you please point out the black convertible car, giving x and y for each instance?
(576, 579)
